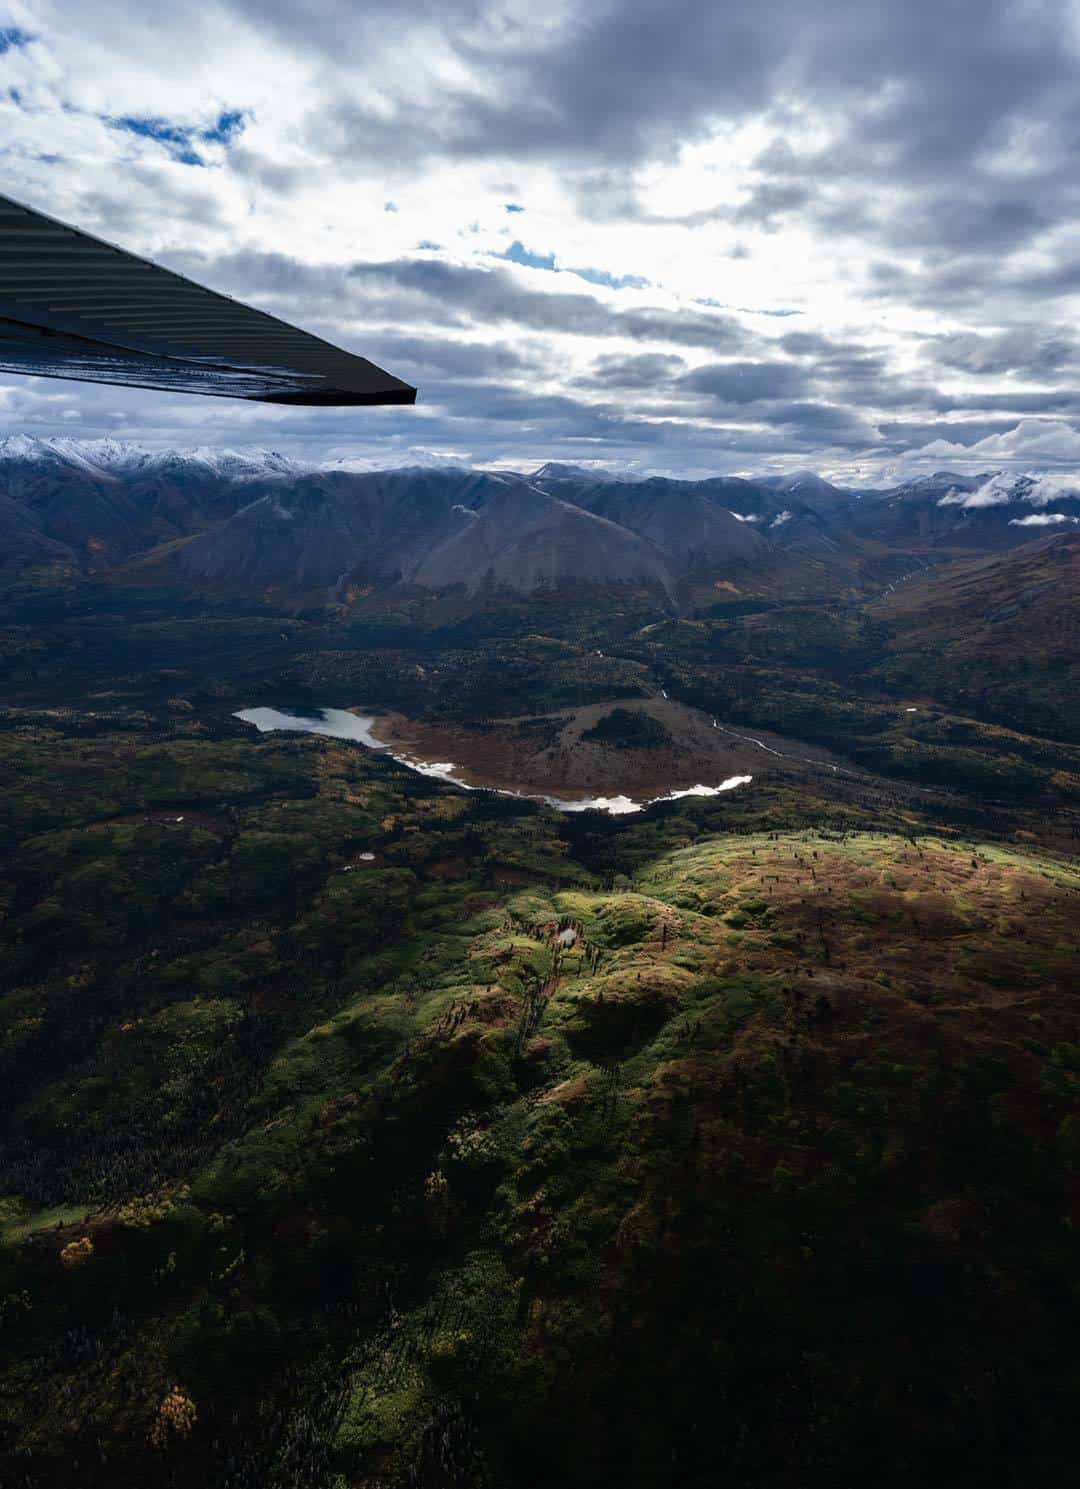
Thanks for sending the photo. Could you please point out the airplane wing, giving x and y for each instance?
(73, 306)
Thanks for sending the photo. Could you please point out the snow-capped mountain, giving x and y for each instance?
(259, 517)
(102, 500)
(106, 458)
(993, 509)
(557, 470)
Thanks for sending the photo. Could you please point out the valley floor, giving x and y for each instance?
(544, 753)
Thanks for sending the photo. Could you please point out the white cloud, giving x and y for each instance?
(1050, 486)
(1042, 519)
(1004, 487)
(997, 492)
(1035, 441)
(635, 143)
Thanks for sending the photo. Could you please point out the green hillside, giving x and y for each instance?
(531, 1149)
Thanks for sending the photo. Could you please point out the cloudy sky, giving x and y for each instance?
(678, 236)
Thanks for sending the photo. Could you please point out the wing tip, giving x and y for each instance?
(340, 397)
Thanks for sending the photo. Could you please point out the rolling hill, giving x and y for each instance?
(999, 636)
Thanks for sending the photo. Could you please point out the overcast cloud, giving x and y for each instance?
(683, 237)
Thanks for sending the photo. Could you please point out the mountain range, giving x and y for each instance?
(259, 520)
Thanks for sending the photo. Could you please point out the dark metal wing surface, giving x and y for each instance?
(74, 306)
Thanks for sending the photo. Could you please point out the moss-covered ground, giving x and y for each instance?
(738, 1143)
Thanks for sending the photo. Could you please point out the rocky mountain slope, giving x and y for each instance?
(23, 544)
(693, 528)
(999, 634)
(525, 540)
(257, 521)
(810, 489)
(105, 500)
(321, 529)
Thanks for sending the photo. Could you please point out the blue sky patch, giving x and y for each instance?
(230, 123)
(175, 137)
(613, 281)
(181, 139)
(512, 207)
(12, 37)
(517, 253)
(745, 309)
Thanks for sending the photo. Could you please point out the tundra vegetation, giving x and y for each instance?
(359, 1132)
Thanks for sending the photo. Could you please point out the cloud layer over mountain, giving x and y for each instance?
(685, 238)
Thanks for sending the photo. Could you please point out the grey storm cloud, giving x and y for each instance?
(912, 434)
(495, 296)
(651, 370)
(821, 347)
(769, 201)
(927, 84)
(1060, 401)
(860, 376)
(448, 294)
(926, 93)
(747, 382)
(822, 423)
(1031, 352)
(425, 357)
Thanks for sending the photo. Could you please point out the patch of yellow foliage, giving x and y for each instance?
(175, 1418)
(77, 1253)
(148, 1209)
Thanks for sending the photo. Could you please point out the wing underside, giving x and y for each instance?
(72, 306)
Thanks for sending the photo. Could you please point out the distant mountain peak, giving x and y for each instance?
(105, 457)
(557, 470)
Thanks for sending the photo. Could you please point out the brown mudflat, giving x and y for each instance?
(551, 753)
